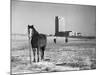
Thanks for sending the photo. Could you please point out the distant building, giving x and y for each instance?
(75, 34)
(60, 27)
(79, 34)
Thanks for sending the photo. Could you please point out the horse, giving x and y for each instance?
(38, 42)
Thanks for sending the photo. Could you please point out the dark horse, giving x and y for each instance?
(38, 42)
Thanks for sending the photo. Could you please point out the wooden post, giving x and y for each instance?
(29, 41)
(30, 51)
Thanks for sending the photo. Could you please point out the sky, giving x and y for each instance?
(78, 18)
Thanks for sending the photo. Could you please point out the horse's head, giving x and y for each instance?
(31, 30)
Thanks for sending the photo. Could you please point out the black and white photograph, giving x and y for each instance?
(52, 37)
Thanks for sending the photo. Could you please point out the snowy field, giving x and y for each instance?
(77, 54)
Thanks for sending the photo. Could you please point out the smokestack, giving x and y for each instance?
(56, 25)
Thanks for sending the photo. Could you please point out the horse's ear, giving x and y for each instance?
(32, 25)
(28, 26)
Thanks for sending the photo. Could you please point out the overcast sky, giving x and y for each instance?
(78, 18)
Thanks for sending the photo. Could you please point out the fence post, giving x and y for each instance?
(29, 46)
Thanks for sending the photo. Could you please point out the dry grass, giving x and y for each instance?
(58, 57)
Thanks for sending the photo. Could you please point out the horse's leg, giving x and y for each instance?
(42, 53)
(34, 50)
(38, 49)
